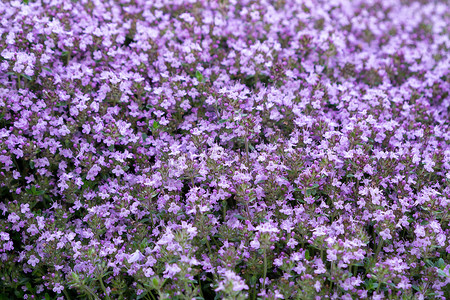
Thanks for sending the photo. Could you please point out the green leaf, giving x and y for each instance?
(155, 125)
(31, 164)
(223, 121)
(307, 254)
(23, 280)
(48, 69)
(416, 287)
(442, 273)
(29, 287)
(371, 284)
(155, 282)
(313, 187)
(199, 76)
(26, 76)
(26, 1)
(33, 191)
(142, 295)
(429, 263)
(441, 264)
(239, 217)
(144, 136)
(391, 284)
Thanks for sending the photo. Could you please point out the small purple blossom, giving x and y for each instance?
(237, 149)
(33, 261)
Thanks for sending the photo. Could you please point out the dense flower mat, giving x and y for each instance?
(225, 149)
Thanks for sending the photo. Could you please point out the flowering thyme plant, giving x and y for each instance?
(232, 149)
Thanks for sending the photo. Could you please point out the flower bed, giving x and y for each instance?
(227, 149)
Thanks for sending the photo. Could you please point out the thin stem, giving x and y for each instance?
(377, 251)
(208, 245)
(380, 244)
(246, 149)
(18, 81)
(378, 287)
(16, 163)
(331, 277)
(90, 293)
(224, 212)
(265, 269)
(103, 288)
(254, 292)
(151, 294)
(210, 251)
(200, 288)
(188, 295)
(66, 294)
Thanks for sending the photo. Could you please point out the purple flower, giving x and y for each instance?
(292, 243)
(58, 288)
(93, 171)
(135, 257)
(386, 234)
(317, 286)
(33, 261)
(231, 279)
(255, 244)
(171, 270)
(4, 236)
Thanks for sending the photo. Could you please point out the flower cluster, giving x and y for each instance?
(232, 149)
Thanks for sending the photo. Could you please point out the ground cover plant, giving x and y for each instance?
(226, 149)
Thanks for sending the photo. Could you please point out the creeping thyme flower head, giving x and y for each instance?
(231, 149)
(231, 284)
